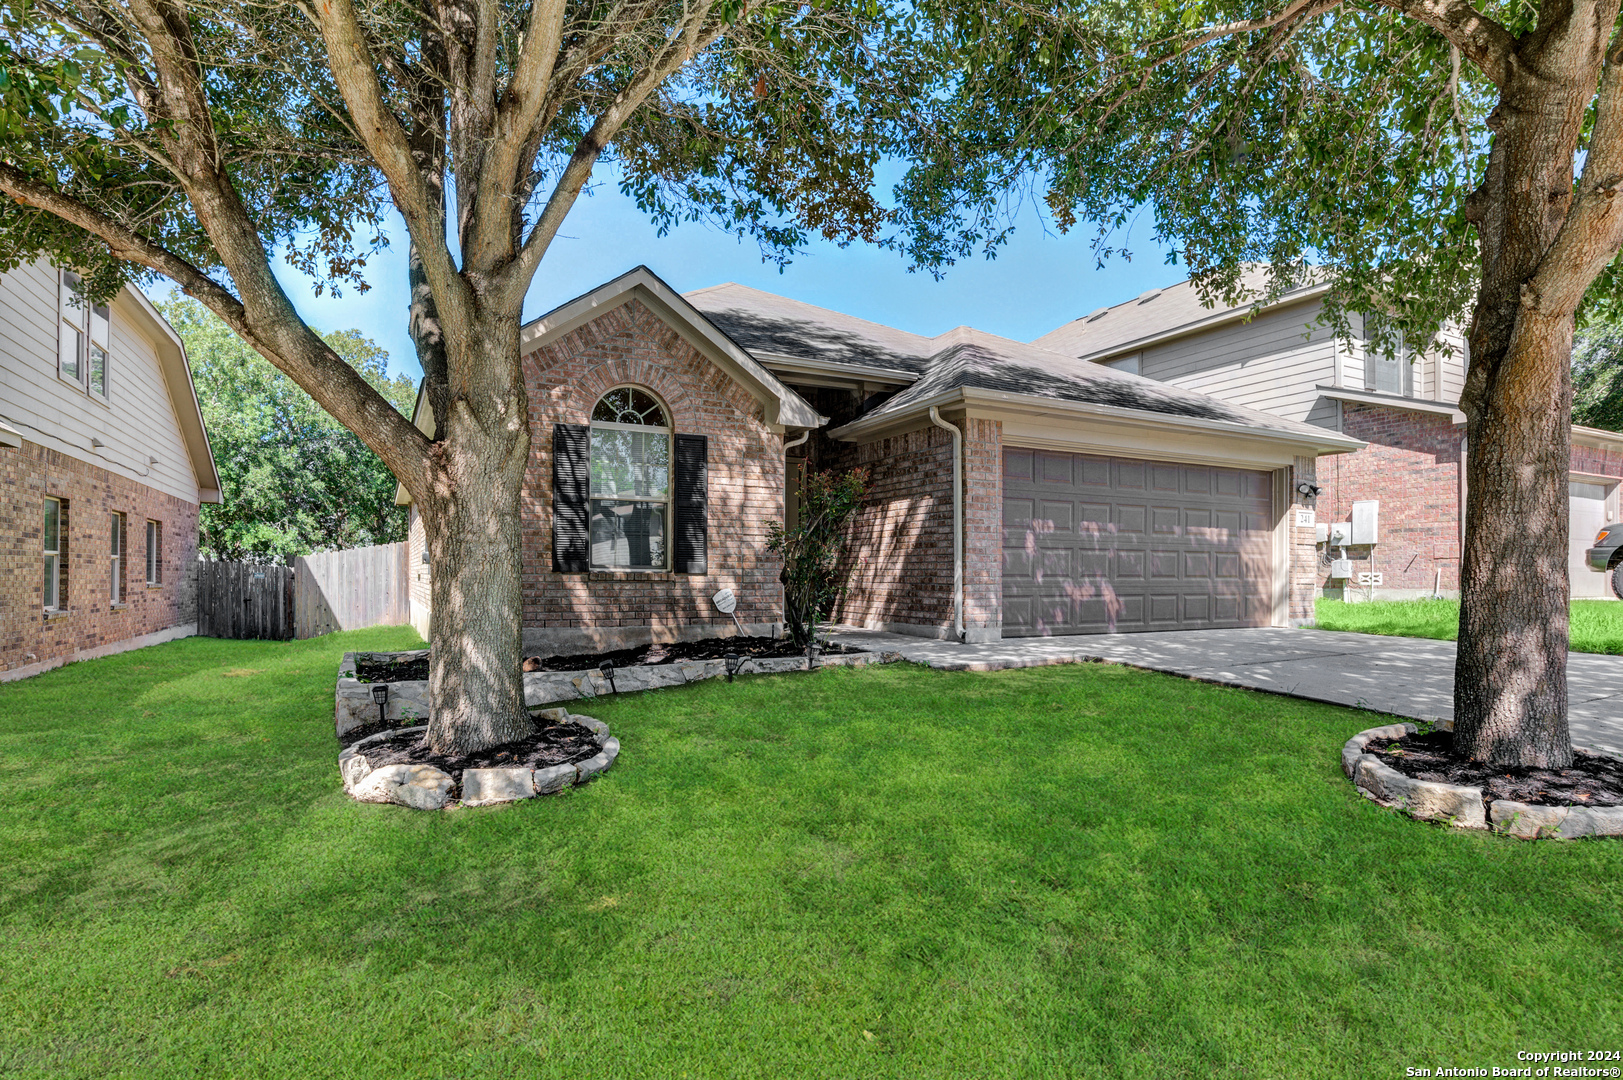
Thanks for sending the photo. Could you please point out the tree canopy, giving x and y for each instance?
(292, 479)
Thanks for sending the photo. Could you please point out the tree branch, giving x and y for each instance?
(1483, 41)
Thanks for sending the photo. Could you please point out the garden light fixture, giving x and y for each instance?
(733, 664)
(607, 668)
(380, 694)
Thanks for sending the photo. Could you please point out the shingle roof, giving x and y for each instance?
(764, 322)
(970, 358)
(1151, 314)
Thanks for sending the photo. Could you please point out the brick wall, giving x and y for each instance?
(1303, 554)
(1412, 465)
(901, 538)
(630, 344)
(983, 529)
(29, 638)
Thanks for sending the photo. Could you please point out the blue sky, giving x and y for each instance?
(1038, 281)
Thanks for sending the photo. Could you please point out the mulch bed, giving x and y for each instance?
(554, 744)
(369, 669)
(1593, 780)
(672, 652)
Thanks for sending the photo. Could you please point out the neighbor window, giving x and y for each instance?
(70, 327)
(631, 481)
(115, 558)
(1389, 368)
(154, 553)
(55, 585)
(100, 335)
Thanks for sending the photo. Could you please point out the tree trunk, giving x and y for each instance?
(1510, 678)
(473, 530)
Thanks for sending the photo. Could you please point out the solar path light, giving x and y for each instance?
(380, 694)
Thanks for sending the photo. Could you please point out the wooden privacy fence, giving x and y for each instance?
(320, 593)
(244, 600)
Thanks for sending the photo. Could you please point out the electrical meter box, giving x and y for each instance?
(1364, 517)
(1340, 533)
(1341, 568)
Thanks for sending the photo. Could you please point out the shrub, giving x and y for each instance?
(811, 576)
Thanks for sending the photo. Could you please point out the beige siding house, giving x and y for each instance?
(1283, 358)
(103, 464)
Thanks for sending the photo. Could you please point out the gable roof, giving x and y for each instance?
(1158, 314)
(776, 327)
(782, 405)
(969, 364)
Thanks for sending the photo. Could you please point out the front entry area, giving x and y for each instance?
(1097, 545)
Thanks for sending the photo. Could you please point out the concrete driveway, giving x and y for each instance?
(1411, 677)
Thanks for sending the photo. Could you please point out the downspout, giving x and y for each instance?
(792, 443)
(957, 521)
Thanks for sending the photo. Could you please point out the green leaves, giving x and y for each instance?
(813, 551)
(293, 480)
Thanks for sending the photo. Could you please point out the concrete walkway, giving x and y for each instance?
(1412, 677)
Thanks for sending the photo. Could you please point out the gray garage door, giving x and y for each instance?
(1106, 545)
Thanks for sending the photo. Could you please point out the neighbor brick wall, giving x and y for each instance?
(630, 344)
(900, 552)
(28, 636)
(1412, 465)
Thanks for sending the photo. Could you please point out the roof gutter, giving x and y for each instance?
(957, 522)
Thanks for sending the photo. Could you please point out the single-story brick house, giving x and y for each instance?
(1403, 407)
(1014, 490)
(104, 462)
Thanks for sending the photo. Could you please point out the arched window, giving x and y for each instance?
(631, 481)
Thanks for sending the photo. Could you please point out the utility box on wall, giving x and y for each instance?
(1341, 568)
(1340, 533)
(1365, 516)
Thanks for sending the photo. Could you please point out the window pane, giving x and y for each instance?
(630, 464)
(52, 512)
(70, 351)
(50, 581)
(98, 370)
(99, 326)
(628, 405)
(112, 543)
(628, 535)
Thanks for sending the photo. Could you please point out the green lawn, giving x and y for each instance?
(1596, 625)
(1066, 871)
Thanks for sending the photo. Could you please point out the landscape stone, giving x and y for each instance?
(420, 787)
(611, 748)
(484, 787)
(1528, 821)
(353, 767)
(593, 765)
(553, 778)
(1426, 799)
(592, 723)
(552, 716)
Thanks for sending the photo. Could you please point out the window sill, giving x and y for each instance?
(122, 605)
(151, 587)
(630, 575)
(52, 614)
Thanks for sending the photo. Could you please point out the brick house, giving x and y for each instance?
(1014, 490)
(103, 465)
(1284, 360)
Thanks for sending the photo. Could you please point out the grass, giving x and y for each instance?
(1596, 626)
(1063, 871)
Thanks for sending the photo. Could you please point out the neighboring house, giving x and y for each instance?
(1282, 359)
(103, 464)
(668, 431)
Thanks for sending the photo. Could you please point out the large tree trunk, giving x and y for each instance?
(472, 525)
(1510, 679)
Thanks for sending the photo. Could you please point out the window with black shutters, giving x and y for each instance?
(630, 482)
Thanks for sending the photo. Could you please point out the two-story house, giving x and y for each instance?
(1284, 360)
(103, 465)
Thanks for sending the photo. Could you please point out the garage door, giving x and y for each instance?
(1097, 545)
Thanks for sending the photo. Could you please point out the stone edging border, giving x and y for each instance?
(1463, 806)
(353, 706)
(423, 787)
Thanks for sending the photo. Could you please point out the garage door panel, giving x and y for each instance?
(1130, 564)
(1076, 558)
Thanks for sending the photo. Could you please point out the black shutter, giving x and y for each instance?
(571, 498)
(692, 503)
